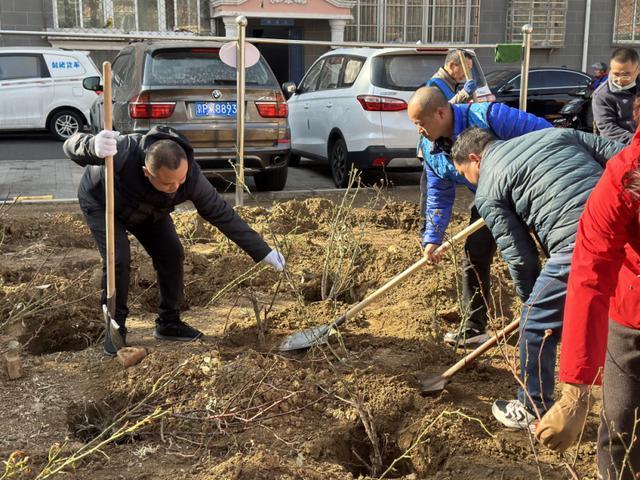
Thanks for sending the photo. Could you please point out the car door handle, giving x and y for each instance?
(329, 105)
(305, 106)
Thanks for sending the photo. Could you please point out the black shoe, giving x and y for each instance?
(109, 347)
(176, 330)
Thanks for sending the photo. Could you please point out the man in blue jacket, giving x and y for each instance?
(532, 190)
(447, 79)
(440, 122)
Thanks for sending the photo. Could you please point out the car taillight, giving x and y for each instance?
(272, 109)
(141, 107)
(376, 103)
(380, 161)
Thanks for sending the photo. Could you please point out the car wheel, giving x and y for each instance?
(65, 123)
(340, 164)
(294, 160)
(271, 180)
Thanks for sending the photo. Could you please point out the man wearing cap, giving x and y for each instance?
(600, 74)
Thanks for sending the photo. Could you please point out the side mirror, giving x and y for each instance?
(289, 88)
(506, 88)
(92, 83)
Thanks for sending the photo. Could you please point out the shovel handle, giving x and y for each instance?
(402, 276)
(465, 69)
(109, 195)
(470, 358)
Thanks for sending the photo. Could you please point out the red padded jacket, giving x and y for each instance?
(605, 271)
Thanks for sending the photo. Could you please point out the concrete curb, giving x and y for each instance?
(411, 192)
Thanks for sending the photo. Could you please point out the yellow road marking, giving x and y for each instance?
(32, 197)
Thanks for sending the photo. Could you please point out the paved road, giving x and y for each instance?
(33, 166)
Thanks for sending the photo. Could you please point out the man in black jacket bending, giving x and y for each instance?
(153, 173)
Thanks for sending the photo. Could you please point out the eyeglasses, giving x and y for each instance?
(624, 75)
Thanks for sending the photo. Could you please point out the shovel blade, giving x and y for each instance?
(112, 329)
(432, 385)
(306, 339)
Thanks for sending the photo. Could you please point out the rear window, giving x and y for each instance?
(404, 72)
(200, 67)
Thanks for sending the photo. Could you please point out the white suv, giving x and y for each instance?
(350, 108)
(41, 88)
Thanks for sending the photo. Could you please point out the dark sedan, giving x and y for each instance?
(549, 89)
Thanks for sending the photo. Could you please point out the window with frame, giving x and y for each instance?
(562, 79)
(122, 71)
(133, 15)
(627, 22)
(451, 21)
(352, 69)
(330, 73)
(547, 17)
(310, 81)
(16, 67)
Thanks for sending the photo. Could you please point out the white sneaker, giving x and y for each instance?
(469, 337)
(513, 414)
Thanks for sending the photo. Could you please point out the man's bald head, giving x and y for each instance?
(430, 112)
(426, 100)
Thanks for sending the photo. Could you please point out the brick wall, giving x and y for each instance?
(493, 17)
(25, 15)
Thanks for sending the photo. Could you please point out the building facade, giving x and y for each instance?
(561, 35)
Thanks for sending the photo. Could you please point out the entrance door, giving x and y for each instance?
(286, 61)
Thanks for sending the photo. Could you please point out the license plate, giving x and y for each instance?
(216, 109)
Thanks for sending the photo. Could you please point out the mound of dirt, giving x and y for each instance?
(230, 405)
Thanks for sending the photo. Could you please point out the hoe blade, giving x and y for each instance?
(307, 338)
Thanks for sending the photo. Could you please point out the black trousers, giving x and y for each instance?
(161, 242)
(620, 415)
(479, 250)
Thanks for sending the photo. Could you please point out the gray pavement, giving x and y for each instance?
(33, 167)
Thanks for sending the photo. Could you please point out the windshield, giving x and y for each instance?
(498, 77)
(194, 67)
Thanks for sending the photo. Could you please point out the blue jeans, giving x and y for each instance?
(542, 313)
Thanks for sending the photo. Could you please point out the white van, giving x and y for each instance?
(41, 88)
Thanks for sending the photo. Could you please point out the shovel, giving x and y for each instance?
(437, 383)
(109, 310)
(463, 63)
(320, 334)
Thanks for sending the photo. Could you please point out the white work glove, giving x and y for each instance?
(105, 143)
(275, 259)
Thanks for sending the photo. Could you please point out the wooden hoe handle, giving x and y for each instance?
(109, 193)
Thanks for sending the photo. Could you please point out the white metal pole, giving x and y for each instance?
(587, 25)
(242, 31)
(524, 74)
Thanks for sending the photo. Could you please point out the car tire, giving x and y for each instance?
(294, 160)
(340, 163)
(271, 180)
(65, 123)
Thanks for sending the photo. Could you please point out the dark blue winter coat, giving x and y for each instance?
(505, 123)
(537, 186)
